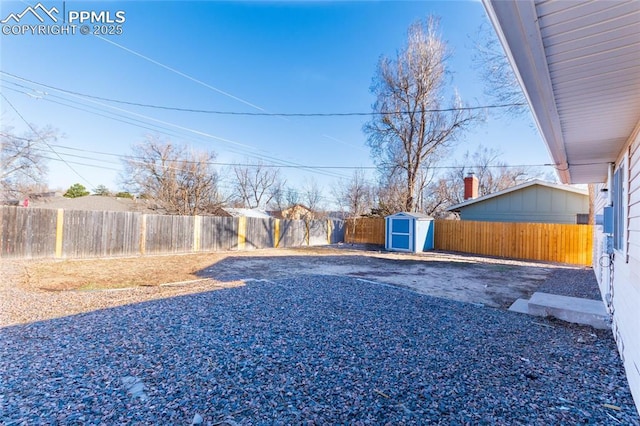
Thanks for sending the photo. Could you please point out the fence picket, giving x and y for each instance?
(365, 231)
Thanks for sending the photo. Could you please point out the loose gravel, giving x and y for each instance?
(21, 303)
(310, 350)
(575, 282)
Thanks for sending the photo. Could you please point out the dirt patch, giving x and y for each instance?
(493, 282)
(101, 274)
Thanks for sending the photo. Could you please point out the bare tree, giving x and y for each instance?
(257, 184)
(493, 175)
(279, 196)
(292, 196)
(500, 83)
(391, 196)
(179, 180)
(22, 161)
(312, 197)
(356, 195)
(102, 190)
(438, 196)
(411, 124)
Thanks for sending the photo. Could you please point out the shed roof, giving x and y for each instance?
(412, 215)
(534, 182)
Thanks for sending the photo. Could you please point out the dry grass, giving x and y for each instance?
(97, 274)
(149, 271)
(102, 274)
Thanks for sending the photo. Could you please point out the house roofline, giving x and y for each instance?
(457, 207)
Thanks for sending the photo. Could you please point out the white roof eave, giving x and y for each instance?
(516, 25)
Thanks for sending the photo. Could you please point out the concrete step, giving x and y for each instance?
(570, 309)
(520, 305)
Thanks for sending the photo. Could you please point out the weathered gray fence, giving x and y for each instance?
(292, 233)
(27, 234)
(168, 234)
(219, 233)
(101, 234)
(42, 233)
(260, 233)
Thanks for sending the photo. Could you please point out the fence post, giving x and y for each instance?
(276, 233)
(143, 234)
(329, 230)
(197, 220)
(307, 230)
(59, 232)
(242, 232)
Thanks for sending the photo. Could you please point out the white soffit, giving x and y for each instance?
(579, 64)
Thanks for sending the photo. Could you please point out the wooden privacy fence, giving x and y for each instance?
(42, 233)
(531, 241)
(366, 230)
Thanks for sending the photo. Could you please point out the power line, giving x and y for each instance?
(223, 186)
(180, 73)
(43, 140)
(248, 148)
(289, 166)
(136, 160)
(95, 166)
(286, 166)
(263, 113)
(266, 165)
(112, 116)
(109, 115)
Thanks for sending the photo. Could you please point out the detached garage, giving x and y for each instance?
(410, 232)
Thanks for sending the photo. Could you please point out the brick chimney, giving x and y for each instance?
(471, 185)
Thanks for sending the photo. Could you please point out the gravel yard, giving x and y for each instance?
(310, 349)
(579, 282)
(36, 290)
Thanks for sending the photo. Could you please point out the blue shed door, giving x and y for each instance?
(401, 233)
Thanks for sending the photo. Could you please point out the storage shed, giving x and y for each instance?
(411, 232)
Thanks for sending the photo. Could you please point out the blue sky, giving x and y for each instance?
(292, 57)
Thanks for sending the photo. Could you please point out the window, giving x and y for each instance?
(582, 218)
(619, 208)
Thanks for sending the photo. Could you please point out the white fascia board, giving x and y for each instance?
(516, 24)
